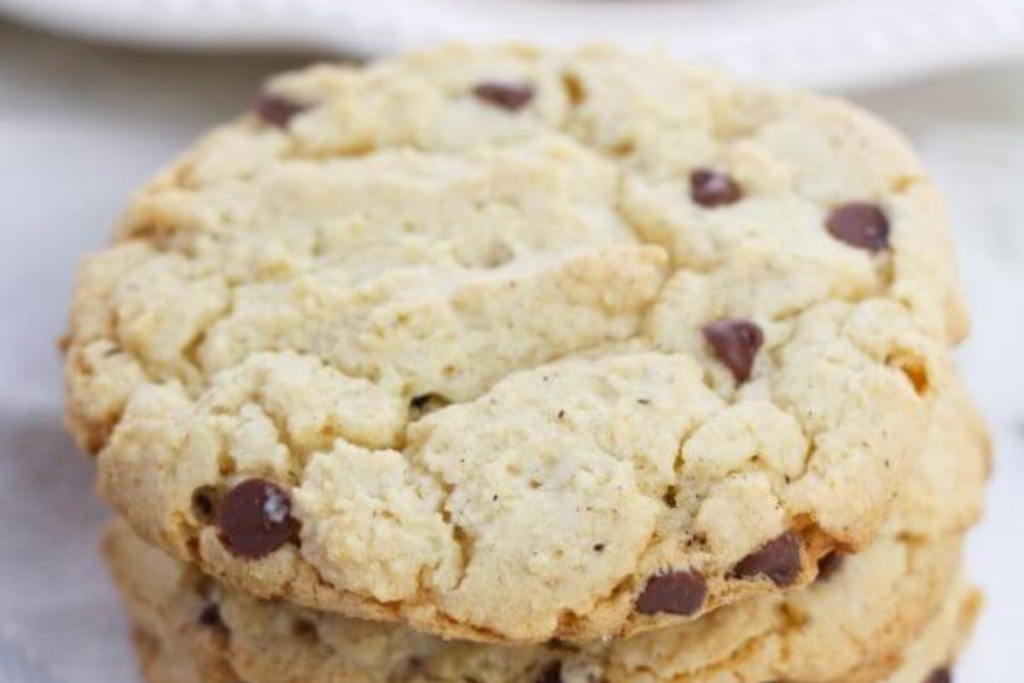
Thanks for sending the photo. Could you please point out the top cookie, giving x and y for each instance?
(515, 345)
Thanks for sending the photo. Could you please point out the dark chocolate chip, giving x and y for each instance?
(210, 616)
(942, 675)
(421, 406)
(860, 225)
(735, 343)
(276, 110)
(829, 565)
(204, 503)
(255, 518)
(304, 628)
(412, 667)
(778, 560)
(552, 673)
(509, 96)
(712, 188)
(674, 592)
(670, 496)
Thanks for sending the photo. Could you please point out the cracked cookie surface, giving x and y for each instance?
(513, 345)
(890, 613)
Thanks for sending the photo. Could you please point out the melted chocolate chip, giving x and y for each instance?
(778, 560)
(552, 673)
(276, 110)
(210, 616)
(942, 675)
(735, 343)
(860, 225)
(711, 188)
(509, 96)
(829, 565)
(255, 518)
(674, 592)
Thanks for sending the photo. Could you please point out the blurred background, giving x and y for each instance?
(95, 95)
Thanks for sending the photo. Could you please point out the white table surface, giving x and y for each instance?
(81, 126)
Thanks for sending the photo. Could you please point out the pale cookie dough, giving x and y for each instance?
(512, 345)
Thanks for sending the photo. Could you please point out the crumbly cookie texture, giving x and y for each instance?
(856, 622)
(513, 345)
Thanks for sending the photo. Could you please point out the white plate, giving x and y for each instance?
(824, 43)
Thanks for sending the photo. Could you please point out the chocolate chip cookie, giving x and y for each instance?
(166, 659)
(512, 345)
(869, 621)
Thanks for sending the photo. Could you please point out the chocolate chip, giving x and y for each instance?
(735, 343)
(304, 628)
(829, 565)
(509, 96)
(276, 110)
(204, 503)
(674, 592)
(778, 560)
(860, 225)
(941, 675)
(711, 188)
(210, 616)
(421, 406)
(255, 518)
(552, 673)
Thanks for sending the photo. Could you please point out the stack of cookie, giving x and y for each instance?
(496, 365)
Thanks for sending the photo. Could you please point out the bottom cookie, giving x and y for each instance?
(927, 660)
(895, 613)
